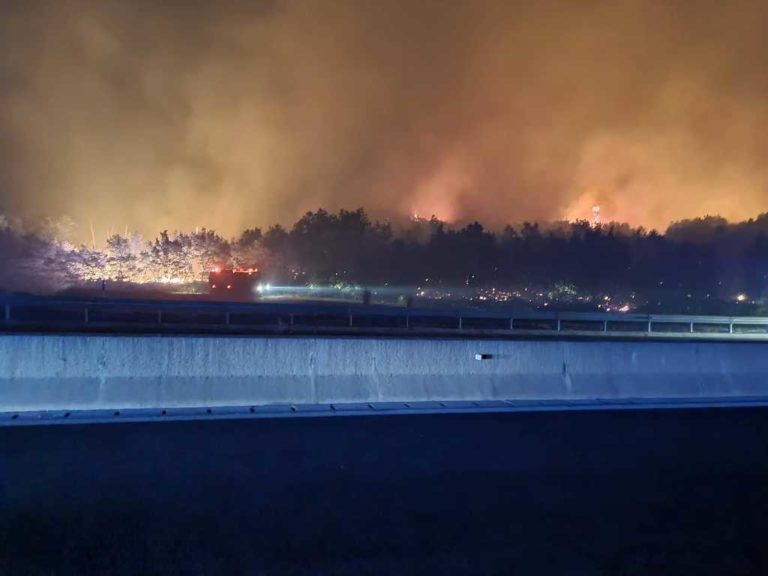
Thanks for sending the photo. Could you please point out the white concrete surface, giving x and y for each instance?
(49, 372)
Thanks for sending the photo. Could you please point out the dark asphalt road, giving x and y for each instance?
(629, 492)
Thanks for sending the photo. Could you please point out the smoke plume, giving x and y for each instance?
(232, 114)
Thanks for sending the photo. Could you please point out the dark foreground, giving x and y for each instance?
(645, 492)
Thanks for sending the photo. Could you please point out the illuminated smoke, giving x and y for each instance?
(156, 115)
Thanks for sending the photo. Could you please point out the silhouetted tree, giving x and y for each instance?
(694, 260)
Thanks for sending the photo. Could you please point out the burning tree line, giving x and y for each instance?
(34, 260)
(700, 257)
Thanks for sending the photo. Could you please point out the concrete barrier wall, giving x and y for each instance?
(46, 372)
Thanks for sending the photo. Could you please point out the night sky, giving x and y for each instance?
(230, 114)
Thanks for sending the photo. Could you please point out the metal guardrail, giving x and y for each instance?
(54, 314)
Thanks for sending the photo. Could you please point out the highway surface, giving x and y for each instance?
(579, 493)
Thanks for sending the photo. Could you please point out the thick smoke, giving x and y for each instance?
(176, 114)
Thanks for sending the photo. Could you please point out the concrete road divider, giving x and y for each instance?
(93, 372)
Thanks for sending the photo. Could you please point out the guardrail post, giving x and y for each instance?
(460, 322)
(511, 323)
(730, 328)
(605, 325)
(649, 327)
(558, 324)
(691, 328)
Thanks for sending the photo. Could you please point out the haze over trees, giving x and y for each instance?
(697, 258)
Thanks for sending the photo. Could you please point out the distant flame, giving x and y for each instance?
(589, 206)
(439, 193)
(595, 216)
